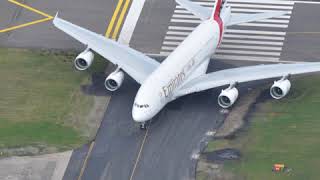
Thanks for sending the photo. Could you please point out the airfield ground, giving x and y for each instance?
(285, 131)
(120, 150)
(41, 101)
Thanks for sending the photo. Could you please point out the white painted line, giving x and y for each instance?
(252, 37)
(222, 46)
(236, 11)
(279, 17)
(185, 16)
(252, 42)
(165, 53)
(174, 38)
(186, 21)
(228, 51)
(131, 21)
(307, 2)
(238, 31)
(182, 12)
(278, 2)
(263, 1)
(264, 25)
(274, 21)
(181, 28)
(178, 33)
(247, 58)
(241, 58)
(168, 48)
(233, 5)
(172, 43)
(192, 19)
(255, 10)
(257, 6)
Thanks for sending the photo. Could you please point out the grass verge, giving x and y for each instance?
(285, 131)
(38, 93)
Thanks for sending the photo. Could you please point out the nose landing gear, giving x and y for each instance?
(143, 126)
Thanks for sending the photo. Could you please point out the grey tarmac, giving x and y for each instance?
(94, 15)
(178, 132)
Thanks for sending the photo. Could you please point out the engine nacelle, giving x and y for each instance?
(84, 60)
(228, 97)
(114, 80)
(280, 88)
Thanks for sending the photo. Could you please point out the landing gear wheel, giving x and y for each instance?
(143, 126)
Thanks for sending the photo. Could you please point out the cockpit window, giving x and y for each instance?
(141, 105)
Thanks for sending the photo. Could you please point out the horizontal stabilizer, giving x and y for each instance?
(201, 12)
(244, 18)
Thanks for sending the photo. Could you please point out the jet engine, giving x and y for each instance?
(228, 97)
(114, 80)
(280, 88)
(84, 60)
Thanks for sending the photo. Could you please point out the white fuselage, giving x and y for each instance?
(190, 59)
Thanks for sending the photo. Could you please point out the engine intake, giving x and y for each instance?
(114, 80)
(280, 88)
(228, 97)
(84, 60)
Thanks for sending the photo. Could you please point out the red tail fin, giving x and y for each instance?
(217, 9)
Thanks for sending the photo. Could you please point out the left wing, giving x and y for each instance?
(136, 64)
(245, 74)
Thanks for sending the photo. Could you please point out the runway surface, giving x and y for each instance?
(169, 148)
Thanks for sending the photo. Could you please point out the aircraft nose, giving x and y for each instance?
(139, 116)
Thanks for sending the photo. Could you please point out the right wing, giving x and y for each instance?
(136, 64)
(245, 74)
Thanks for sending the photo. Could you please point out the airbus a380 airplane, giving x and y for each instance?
(184, 70)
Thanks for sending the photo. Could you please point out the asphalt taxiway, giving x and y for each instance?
(94, 15)
(168, 150)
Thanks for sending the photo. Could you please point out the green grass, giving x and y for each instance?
(285, 131)
(39, 91)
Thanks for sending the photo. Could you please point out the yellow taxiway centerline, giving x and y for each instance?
(25, 25)
(139, 154)
(124, 10)
(30, 8)
(113, 19)
(48, 17)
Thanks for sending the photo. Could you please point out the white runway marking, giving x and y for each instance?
(255, 41)
(269, 48)
(131, 21)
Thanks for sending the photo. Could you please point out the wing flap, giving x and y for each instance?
(244, 18)
(136, 64)
(245, 74)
